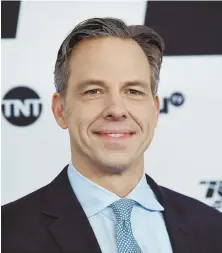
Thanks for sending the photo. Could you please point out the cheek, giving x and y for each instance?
(144, 115)
(83, 115)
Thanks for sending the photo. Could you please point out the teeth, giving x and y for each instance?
(115, 135)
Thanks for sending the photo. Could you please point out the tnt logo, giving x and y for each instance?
(176, 99)
(21, 106)
(213, 192)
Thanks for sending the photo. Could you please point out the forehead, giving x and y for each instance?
(110, 58)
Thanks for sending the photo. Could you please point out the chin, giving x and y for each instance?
(115, 169)
(115, 166)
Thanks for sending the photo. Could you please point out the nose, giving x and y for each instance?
(115, 108)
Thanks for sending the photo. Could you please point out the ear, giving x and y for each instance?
(59, 110)
(157, 104)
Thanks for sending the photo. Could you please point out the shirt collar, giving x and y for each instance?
(94, 198)
(144, 195)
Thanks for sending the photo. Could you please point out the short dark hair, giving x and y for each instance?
(151, 43)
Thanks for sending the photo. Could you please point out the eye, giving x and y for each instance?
(135, 92)
(92, 92)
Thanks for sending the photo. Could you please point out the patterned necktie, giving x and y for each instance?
(126, 242)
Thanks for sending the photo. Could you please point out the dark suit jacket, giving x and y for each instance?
(51, 220)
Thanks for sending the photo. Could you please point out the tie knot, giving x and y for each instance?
(123, 208)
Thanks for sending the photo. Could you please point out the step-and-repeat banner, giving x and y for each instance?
(186, 153)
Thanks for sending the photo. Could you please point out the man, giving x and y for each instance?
(106, 78)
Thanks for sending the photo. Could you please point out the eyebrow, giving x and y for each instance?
(85, 83)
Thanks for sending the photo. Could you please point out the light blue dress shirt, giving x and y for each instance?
(147, 220)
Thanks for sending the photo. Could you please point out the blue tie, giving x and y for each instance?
(125, 240)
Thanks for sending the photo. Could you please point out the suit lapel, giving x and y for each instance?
(179, 229)
(69, 225)
(180, 232)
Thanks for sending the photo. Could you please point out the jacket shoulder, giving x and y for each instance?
(23, 213)
(192, 208)
(25, 202)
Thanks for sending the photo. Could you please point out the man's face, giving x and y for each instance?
(111, 113)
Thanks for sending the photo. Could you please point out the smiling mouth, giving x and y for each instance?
(115, 136)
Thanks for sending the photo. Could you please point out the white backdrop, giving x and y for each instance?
(186, 149)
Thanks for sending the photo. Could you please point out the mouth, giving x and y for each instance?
(115, 135)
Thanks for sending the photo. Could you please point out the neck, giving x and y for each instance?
(120, 184)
